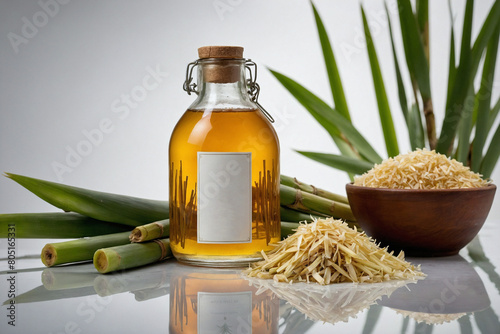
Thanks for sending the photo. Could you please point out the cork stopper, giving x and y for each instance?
(221, 71)
(224, 52)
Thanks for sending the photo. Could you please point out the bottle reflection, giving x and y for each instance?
(204, 300)
(451, 289)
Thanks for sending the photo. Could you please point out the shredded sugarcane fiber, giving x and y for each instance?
(328, 251)
(420, 169)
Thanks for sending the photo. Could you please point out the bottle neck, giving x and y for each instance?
(222, 85)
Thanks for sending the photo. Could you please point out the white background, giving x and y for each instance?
(71, 73)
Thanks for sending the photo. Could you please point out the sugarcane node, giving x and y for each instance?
(163, 249)
(160, 226)
(297, 204)
(332, 207)
(315, 190)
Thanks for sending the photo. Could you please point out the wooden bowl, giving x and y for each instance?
(430, 222)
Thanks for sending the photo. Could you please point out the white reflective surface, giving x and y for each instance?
(459, 295)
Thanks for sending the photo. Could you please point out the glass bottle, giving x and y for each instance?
(223, 166)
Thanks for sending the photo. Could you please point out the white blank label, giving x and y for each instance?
(224, 197)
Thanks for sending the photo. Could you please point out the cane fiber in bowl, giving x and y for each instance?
(424, 222)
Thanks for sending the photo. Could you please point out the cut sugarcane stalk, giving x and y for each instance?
(122, 209)
(80, 249)
(132, 255)
(64, 225)
(306, 202)
(290, 215)
(151, 231)
(288, 228)
(294, 183)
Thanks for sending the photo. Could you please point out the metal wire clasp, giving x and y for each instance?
(188, 86)
(254, 88)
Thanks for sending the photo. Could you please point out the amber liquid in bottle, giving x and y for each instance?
(227, 130)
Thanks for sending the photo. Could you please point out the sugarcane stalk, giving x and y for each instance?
(132, 255)
(80, 249)
(309, 203)
(288, 228)
(151, 231)
(294, 183)
(290, 215)
(115, 208)
(54, 225)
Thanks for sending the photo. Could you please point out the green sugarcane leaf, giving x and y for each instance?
(492, 154)
(483, 101)
(465, 128)
(414, 48)
(422, 14)
(311, 102)
(412, 116)
(465, 73)
(329, 118)
(461, 86)
(331, 68)
(344, 163)
(56, 225)
(109, 207)
(452, 68)
(417, 126)
(484, 36)
(493, 114)
(465, 110)
(391, 140)
(401, 88)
